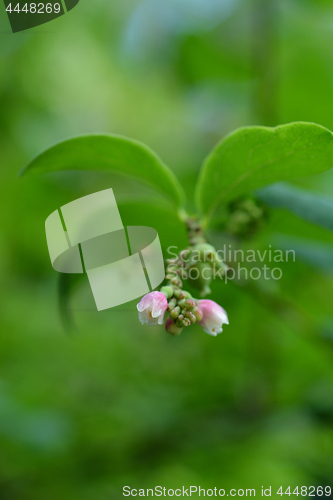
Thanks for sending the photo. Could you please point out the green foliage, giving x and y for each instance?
(110, 153)
(253, 157)
(317, 254)
(119, 403)
(310, 206)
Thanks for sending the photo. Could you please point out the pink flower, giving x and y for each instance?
(152, 308)
(213, 316)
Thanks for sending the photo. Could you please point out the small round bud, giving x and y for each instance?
(207, 253)
(172, 304)
(181, 303)
(186, 322)
(197, 313)
(179, 294)
(172, 328)
(174, 281)
(167, 291)
(191, 316)
(175, 312)
(189, 304)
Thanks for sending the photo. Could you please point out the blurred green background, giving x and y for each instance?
(118, 403)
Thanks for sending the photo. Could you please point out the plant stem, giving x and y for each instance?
(194, 230)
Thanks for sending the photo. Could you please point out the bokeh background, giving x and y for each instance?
(116, 403)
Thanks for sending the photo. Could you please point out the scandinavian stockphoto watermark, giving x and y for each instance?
(122, 263)
(24, 15)
(238, 264)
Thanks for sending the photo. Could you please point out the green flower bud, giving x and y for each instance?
(176, 282)
(172, 303)
(187, 304)
(197, 313)
(246, 215)
(190, 316)
(207, 253)
(185, 322)
(167, 291)
(175, 312)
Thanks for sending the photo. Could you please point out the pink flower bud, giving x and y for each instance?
(213, 316)
(172, 328)
(152, 308)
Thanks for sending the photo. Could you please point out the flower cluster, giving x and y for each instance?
(183, 312)
(183, 309)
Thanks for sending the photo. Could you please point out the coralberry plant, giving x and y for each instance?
(183, 309)
(232, 195)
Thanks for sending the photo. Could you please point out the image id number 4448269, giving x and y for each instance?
(306, 491)
(35, 8)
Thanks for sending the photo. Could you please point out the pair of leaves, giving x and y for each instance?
(244, 161)
(247, 159)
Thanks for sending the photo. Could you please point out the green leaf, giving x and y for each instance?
(252, 157)
(310, 206)
(171, 230)
(110, 153)
(315, 253)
